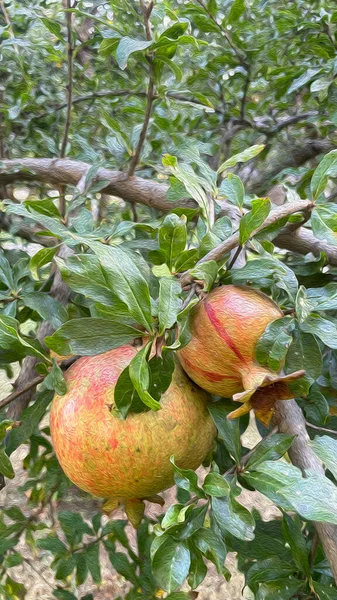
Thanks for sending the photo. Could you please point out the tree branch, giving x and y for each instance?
(59, 291)
(237, 51)
(303, 241)
(70, 52)
(146, 9)
(289, 419)
(64, 171)
(234, 240)
(32, 384)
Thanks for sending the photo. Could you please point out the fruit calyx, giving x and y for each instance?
(264, 393)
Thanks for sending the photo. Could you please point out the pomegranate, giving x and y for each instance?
(126, 459)
(220, 357)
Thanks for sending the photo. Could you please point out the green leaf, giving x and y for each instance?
(41, 258)
(65, 567)
(14, 346)
(323, 328)
(55, 380)
(90, 336)
(323, 298)
(229, 430)
(323, 227)
(81, 567)
(206, 272)
(198, 570)
(315, 498)
(325, 592)
(54, 27)
(254, 218)
(47, 307)
(268, 570)
(271, 448)
(126, 47)
(273, 345)
(172, 238)
(187, 480)
(139, 375)
(216, 485)
(171, 564)
(233, 189)
(171, 65)
(241, 157)
(52, 543)
(233, 517)
(326, 449)
(303, 306)
(73, 526)
(237, 9)
(269, 478)
(304, 353)
(30, 419)
(300, 81)
(186, 260)
(169, 303)
(125, 393)
(64, 595)
(126, 280)
(327, 167)
(6, 275)
(293, 535)
(211, 546)
(93, 562)
(6, 468)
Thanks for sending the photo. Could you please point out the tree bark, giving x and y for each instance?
(289, 419)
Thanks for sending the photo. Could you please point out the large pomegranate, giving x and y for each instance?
(128, 459)
(220, 357)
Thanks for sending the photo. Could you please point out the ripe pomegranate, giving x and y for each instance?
(220, 357)
(129, 459)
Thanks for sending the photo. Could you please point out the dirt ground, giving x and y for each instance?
(38, 579)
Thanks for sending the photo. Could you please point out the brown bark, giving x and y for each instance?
(289, 419)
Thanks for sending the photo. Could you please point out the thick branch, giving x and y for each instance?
(63, 171)
(289, 419)
(285, 156)
(234, 240)
(303, 241)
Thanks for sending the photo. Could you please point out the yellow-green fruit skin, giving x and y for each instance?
(130, 458)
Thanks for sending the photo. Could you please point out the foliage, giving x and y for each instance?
(232, 115)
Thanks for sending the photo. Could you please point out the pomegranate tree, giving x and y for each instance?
(220, 357)
(126, 459)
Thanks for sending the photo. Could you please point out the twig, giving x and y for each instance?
(9, 25)
(189, 296)
(134, 212)
(234, 258)
(146, 9)
(239, 54)
(33, 383)
(322, 429)
(70, 52)
(244, 96)
(313, 548)
(18, 393)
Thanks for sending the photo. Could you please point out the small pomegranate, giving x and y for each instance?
(220, 357)
(126, 460)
